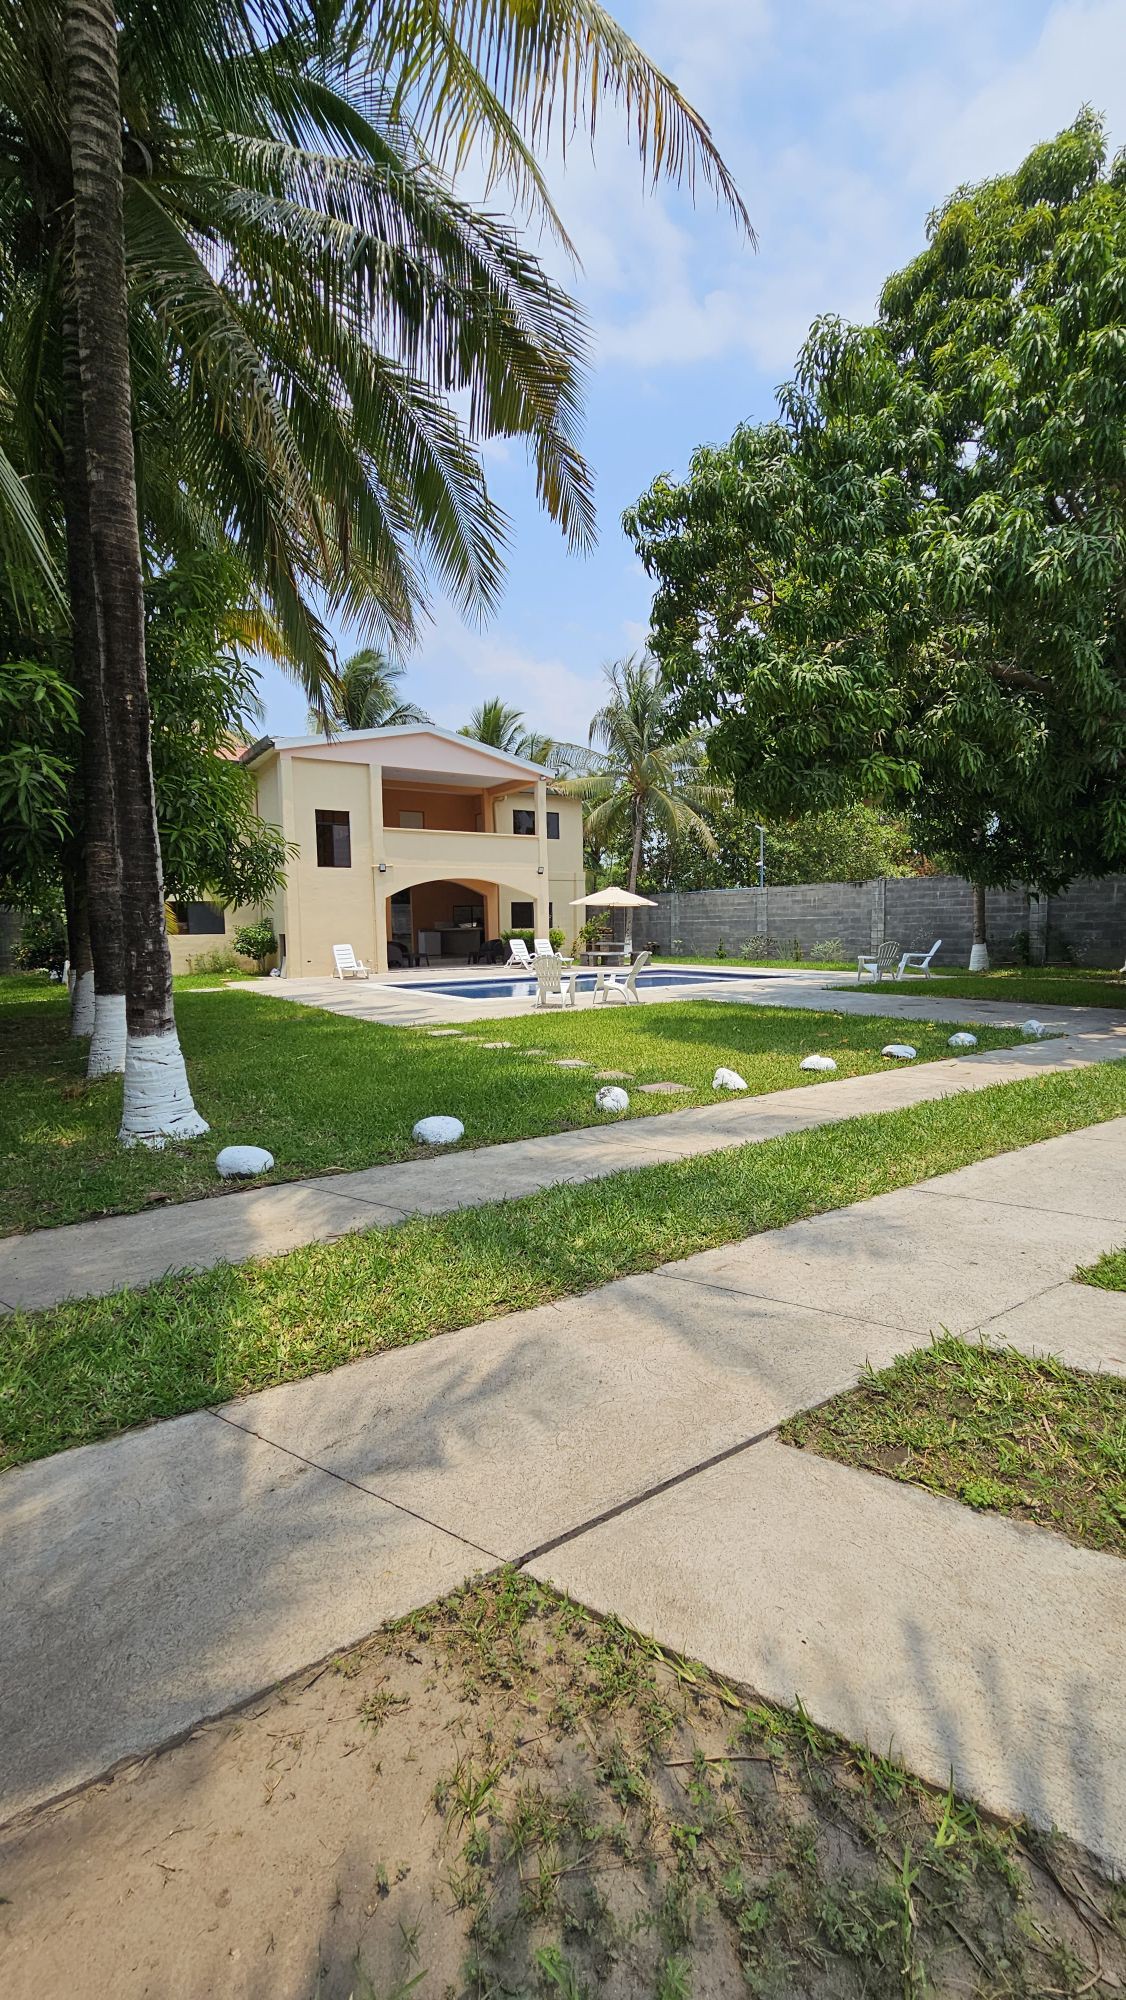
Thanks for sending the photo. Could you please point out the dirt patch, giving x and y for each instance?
(504, 1795)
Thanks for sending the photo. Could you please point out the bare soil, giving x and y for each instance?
(504, 1795)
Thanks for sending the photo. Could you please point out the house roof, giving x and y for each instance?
(399, 741)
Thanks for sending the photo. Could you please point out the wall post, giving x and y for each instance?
(879, 911)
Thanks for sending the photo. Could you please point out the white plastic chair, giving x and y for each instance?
(347, 965)
(623, 985)
(552, 981)
(545, 949)
(880, 962)
(917, 964)
(518, 954)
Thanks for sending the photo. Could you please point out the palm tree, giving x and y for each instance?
(325, 307)
(502, 728)
(642, 772)
(365, 695)
(158, 1102)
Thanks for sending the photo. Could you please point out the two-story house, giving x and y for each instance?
(413, 834)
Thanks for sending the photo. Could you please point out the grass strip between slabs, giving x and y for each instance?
(80, 1371)
(992, 1427)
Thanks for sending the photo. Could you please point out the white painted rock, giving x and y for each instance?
(817, 1062)
(235, 1162)
(1033, 1029)
(610, 1098)
(962, 1041)
(901, 1051)
(728, 1079)
(438, 1131)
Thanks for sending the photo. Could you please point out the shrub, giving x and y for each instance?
(256, 941)
(759, 946)
(42, 940)
(721, 949)
(827, 948)
(221, 959)
(797, 949)
(555, 938)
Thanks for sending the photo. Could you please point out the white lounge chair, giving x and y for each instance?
(545, 949)
(552, 981)
(879, 962)
(917, 964)
(347, 965)
(518, 954)
(623, 984)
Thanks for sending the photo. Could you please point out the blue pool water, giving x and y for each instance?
(488, 986)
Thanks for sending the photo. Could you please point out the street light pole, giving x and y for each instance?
(761, 831)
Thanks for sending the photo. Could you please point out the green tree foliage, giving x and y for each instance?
(38, 745)
(364, 694)
(909, 588)
(503, 728)
(852, 844)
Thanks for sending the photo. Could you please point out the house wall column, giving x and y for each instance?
(291, 906)
(543, 884)
(380, 884)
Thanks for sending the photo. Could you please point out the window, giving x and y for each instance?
(523, 916)
(523, 821)
(334, 840)
(411, 819)
(200, 919)
(553, 826)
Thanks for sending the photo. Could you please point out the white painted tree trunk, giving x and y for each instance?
(158, 1103)
(82, 1005)
(979, 958)
(107, 1044)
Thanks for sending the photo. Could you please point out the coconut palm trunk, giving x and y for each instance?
(158, 1103)
(81, 976)
(635, 867)
(104, 1006)
(979, 954)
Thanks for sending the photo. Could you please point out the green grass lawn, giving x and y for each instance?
(993, 1428)
(734, 959)
(325, 1092)
(79, 1372)
(1030, 986)
(1109, 1274)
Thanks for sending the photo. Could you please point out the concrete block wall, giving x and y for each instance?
(1087, 922)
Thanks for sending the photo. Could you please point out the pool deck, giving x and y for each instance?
(397, 999)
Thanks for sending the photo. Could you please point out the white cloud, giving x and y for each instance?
(457, 668)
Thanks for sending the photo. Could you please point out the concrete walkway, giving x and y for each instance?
(621, 1444)
(86, 1259)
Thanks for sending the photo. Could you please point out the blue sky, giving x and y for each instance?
(844, 121)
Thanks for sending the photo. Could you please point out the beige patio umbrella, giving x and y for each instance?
(614, 898)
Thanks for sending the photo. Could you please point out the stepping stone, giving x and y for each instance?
(615, 1075)
(570, 1062)
(496, 1045)
(665, 1089)
(436, 1033)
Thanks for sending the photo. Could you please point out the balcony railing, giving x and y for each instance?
(454, 852)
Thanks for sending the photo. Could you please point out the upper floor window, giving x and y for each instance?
(523, 821)
(334, 840)
(553, 826)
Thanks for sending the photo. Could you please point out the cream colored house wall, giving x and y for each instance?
(333, 905)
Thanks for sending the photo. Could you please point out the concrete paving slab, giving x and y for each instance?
(965, 1642)
(1071, 1175)
(1078, 1324)
(561, 1412)
(172, 1573)
(909, 1260)
(87, 1259)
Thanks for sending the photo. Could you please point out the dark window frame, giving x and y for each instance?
(553, 826)
(527, 923)
(334, 837)
(523, 812)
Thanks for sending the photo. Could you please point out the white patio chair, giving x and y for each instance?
(552, 982)
(518, 954)
(545, 949)
(622, 984)
(917, 964)
(880, 962)
(346, 964)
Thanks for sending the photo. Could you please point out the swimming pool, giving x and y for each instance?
(489, 987)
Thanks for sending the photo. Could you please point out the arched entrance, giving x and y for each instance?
(451, 920)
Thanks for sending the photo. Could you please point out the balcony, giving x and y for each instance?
(451, 854)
